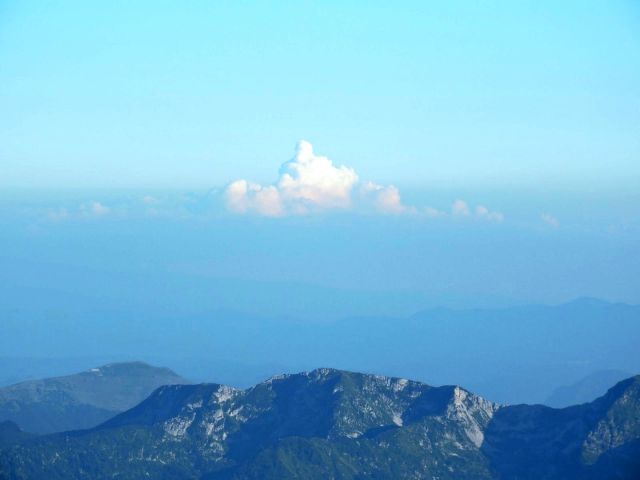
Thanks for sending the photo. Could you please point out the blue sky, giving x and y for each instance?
(417, 94)
(464, 153)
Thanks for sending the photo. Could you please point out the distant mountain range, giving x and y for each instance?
(82, 400)
(510, 355)
(342, 425)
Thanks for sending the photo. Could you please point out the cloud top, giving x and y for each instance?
(315, 181)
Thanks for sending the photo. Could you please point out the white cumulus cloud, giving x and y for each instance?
(243, 197)
(314, 180)
(460, 207)
(550, 220)
(94, 209)
(433, 212)
(486, 214)
(99, 209)
(385, 199)
(309, 183)
(58, 215)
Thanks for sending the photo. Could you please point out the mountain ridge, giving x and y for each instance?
(329, 423)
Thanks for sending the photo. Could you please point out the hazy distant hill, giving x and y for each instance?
(585, 390)
(336, 424)
(16, 369)
(511, 355)
(10, 434)
(82, 400)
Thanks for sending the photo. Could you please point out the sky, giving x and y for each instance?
(422, 94)
(319, 159)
